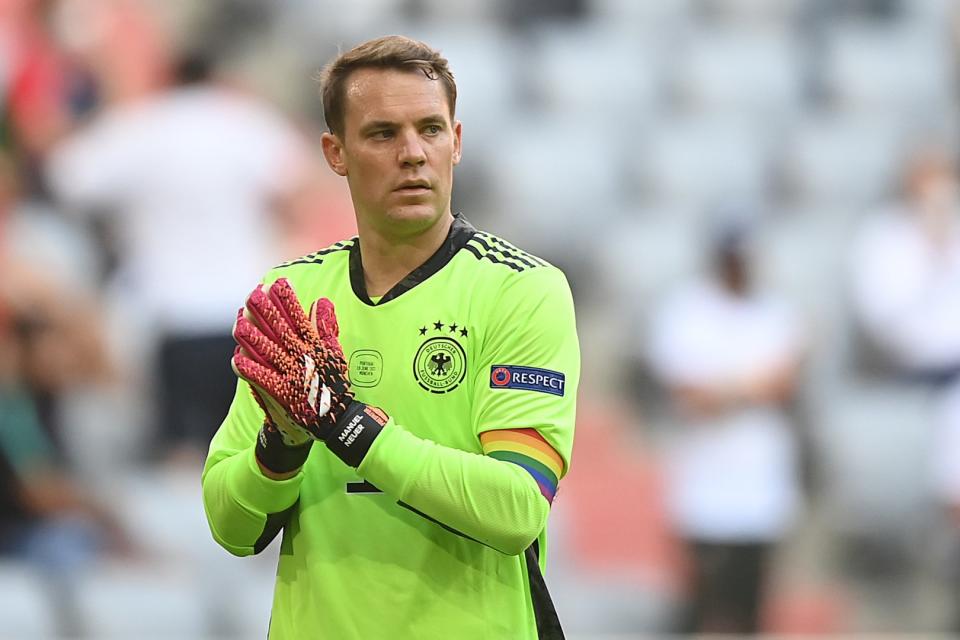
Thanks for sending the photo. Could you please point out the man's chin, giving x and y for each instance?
(412, 219)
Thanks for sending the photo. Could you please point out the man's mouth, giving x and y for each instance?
(413, 187)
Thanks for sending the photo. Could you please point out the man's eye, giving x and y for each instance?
(432, 129)
(383, 134)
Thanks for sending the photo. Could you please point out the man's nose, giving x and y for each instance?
(411, 150)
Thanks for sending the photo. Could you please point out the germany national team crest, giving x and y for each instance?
(440, 364)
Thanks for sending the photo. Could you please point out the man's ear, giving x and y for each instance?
(457, 141)
(333, 152)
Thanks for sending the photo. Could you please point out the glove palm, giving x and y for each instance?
(293, 362)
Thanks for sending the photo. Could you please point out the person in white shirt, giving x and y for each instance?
(729, 356)
(192, 176)
(906, 272)
(906, 294)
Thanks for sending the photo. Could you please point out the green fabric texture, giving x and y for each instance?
(238, 498)
(355, 563)
(496, 504)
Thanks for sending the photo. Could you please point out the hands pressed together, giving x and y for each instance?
(296, 368)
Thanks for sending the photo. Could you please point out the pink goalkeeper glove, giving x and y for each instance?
(296, 367)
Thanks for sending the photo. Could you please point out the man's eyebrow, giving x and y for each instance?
(432, 118)
(378, 124)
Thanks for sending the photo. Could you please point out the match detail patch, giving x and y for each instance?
(505, 376)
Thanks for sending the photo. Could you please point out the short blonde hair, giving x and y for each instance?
(387, 52)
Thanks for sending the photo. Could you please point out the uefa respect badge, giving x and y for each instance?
(505, 376)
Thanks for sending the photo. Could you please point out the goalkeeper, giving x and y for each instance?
(406, 400)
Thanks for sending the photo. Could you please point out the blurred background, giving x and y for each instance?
(756, 203)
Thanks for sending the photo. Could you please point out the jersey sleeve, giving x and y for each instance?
(528, 369)
(245, 509)
(470, 494)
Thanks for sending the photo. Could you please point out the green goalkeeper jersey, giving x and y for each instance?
(481, 337)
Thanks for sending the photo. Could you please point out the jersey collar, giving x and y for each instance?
(460, 232)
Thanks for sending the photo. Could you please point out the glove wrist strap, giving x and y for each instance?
(276, 456)
(355, 431)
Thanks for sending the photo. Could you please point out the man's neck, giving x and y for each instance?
(388, 260)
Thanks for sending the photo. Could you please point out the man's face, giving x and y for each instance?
(397, 150)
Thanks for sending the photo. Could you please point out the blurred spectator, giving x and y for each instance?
(906, 292)
(45, 516)
(50, 342)
(729, 356)
(194, 177)
(93, 32)
(48, 518)
(906, 273)
(40, 90)
(53, 318)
